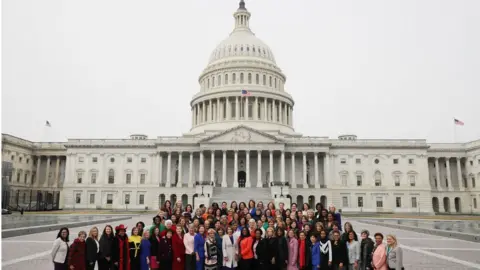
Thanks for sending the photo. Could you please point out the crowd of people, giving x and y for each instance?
(240, 236)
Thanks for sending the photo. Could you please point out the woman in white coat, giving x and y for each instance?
(230, 250)
(60, 250)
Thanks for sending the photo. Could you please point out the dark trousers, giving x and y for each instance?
(91, 265)
(103, 264)
(190, 261)
(166, 264)
(245, 264)
(60, 266)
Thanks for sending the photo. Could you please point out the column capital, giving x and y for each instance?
(235, 151)
(247, 151)
(224, 152)
(270, 151)
(212, 152)
(304, 153)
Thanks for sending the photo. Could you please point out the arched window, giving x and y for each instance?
(241, 77)
(257, 79)
(208, 83)
(219, 80)
(378, 179)
(213, 81)
(275, 80)
(234, 78)
(253, 49)
(270, 81)
(111, 176)
(226, 79)
(264, 79)
(249, 78)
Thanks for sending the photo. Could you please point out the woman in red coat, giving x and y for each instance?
(178, 250)
(77, 254)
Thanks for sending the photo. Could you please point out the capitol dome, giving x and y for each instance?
(242, 85)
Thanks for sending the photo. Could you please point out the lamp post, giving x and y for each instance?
(203, 195)
(281, 192)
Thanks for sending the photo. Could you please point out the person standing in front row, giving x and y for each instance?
(379, 259)
(178, 249)
(60, 249)
(325, 251)
(199, 248)
(120, 249)
(93, 248)
(229, 250)
(106, 244)
(366, 250)
(315, 252)
(211, 251)
(145, 248)
(394, 254)
(292, 251)
(339, 252)
(189, 241)
(76, 254)
(353, 248)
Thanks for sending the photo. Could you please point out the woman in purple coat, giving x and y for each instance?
(145, 251)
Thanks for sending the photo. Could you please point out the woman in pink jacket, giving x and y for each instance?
(379, 258)
(292, 251)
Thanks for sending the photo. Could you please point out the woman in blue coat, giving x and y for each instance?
(145, 251)
(315, 252)
(199, 247)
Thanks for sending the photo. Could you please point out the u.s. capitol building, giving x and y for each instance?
(244, 146)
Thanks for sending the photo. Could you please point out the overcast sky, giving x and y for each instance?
(109, 68)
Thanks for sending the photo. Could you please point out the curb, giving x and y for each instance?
(54, 227)
(457, 235)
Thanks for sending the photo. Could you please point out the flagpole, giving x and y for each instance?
(454, 131)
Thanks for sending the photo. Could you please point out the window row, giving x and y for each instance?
(142, 177)
(378, 179)
(242, 78)
(20, 159)
(358, 161)
(379, 202)
(109, 201)
(241, 50)
(81, 159)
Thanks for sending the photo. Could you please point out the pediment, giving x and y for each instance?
(242, 134)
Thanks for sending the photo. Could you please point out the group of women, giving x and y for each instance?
(240, 236)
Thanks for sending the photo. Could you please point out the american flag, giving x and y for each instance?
(458, 122)
(246, 93)
(47, 123)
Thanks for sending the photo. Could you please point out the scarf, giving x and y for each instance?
(124, 257)
(324, 246)
(301, 253)
(135, 239)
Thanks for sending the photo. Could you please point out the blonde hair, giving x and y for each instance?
(145, 233)
(394, 238)
(91, 235)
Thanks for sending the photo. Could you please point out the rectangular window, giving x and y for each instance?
(28, 160)
(79, 178)
(398, 202)
(129, 160)
(94, 178)
(344, 180)
(359, 180)
(379, 202)
(358, 161)
(343, 161)
(127, 198)
(414, 202)
(142, 178)
(78, 198)
(20, 159)
(345, 201)
(109, 198)
(12, 158)
(378, 182)
(395, 161)
(397, 180)
(129, 178)
(412, 180)
(92, 198)
(143, 160)
(411, 161)
(94, 159)
(18, 177)
(360, 201)
(25, 178)
(141, 199)
(471, 162)
(80, 159)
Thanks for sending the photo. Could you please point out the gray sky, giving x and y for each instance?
(109, 68)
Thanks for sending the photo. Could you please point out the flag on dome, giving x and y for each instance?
(47, 123)
(458, 122)
(246, 93)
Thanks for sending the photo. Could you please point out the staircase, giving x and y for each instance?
(229, 194)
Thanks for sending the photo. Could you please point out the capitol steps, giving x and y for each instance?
(223, 194)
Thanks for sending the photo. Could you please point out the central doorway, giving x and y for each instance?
(242, 178)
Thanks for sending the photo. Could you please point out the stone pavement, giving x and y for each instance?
(421, 251)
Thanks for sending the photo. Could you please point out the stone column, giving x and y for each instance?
(255, 110)
(169, 169)
(160, 168)
(317, 182)
(291, 116)
(235, 169)
(282, 165)
(227, 106)
(57, 168)
(274, 111)
(193, 116)
(285, 118)
(437, 175)
(270, 178)
(200, 169)
(47, 180)
(247, 183)
(212, 167)
(190, 171)
(280, 111)
(326, 169)
(459, 175)
(305, 184)
(218, 110)
(237, 108)
(293, 183)
(259, 168)
(180, 175)
(204, 111)
(449, 174)
(210, 111)
(37, 174)
(245, 113)
(224, 169)
(265, 109)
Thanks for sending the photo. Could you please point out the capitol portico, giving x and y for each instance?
(244, 146)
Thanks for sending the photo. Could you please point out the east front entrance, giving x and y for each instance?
(242, 179)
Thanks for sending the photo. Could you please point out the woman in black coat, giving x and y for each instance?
(105, 255)
(281, 259)
(92, 248)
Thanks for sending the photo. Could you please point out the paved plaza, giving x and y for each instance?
(421, 251)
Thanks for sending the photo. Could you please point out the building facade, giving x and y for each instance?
(244, 145)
